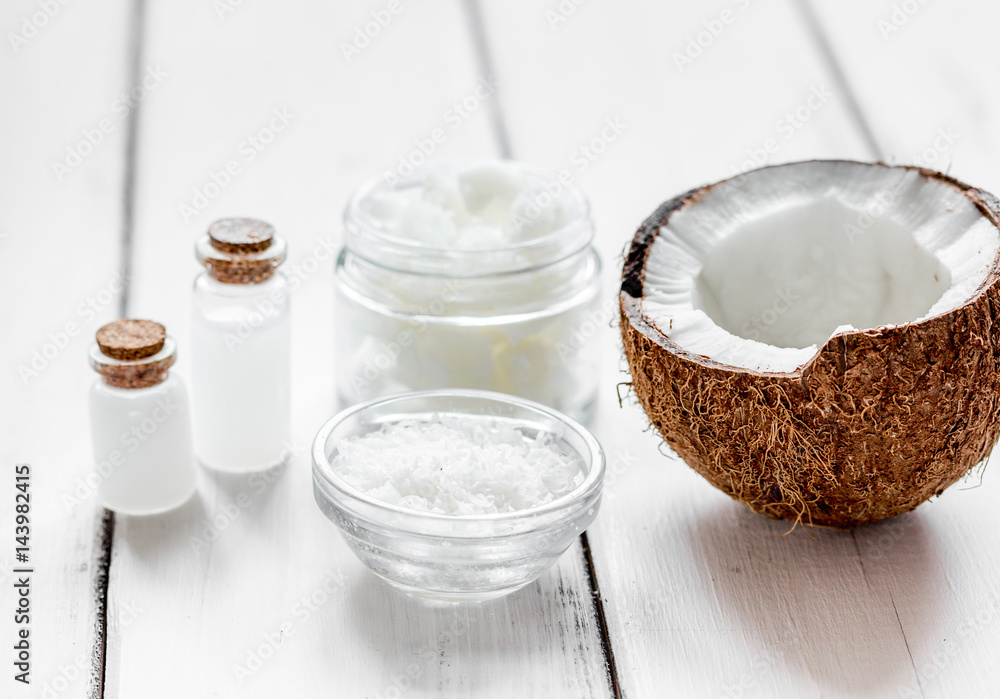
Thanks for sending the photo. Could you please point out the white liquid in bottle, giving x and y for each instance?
(140, 425)
(241, 374)
(241, 348)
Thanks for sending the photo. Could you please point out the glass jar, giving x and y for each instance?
(414, 313)
(241, 337)
(140, 421)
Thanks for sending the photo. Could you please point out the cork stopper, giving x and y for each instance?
(241, 251)
(133, 353)
(129, 340)
(240, 235)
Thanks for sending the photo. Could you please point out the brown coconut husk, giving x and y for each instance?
(874, 425)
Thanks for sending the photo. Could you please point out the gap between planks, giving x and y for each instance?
(135, 57)
(484, 57)
(102, 581)
(829, 56)
(833, 64)
(106, 529)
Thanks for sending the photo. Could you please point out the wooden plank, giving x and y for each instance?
(702, 598)
(926, 106)
(248, 591)
(62, 68)
(923, 105)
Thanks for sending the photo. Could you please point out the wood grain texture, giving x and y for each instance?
(703, 598)
(248, 591)
(59, 265)
(925, 106)
(917, 76)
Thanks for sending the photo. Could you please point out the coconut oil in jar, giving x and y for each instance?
(241, 348)
(470, 274)
(140, 421)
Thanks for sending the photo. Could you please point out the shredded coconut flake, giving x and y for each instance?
(458, 466)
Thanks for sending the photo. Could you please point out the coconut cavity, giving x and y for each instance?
(761, 271)
(792, 278)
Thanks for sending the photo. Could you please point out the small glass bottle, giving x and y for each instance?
(241, 348)
(140, 422)
(470, 274)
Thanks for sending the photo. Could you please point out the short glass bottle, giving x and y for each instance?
(509, 315)
(140, 420)
(241, 332)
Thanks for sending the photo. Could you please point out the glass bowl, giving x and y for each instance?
(457, 557)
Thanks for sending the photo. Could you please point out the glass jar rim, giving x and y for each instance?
(588, 488)
(364, 237)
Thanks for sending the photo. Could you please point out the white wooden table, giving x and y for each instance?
(248, 591)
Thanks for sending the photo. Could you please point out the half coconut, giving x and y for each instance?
(819, 339)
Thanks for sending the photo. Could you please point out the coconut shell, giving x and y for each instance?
(875, 424)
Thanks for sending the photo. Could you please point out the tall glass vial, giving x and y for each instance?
(470, 274)
(140, 422)
(241, 348)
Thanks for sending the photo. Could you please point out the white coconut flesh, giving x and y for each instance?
(760, 272)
